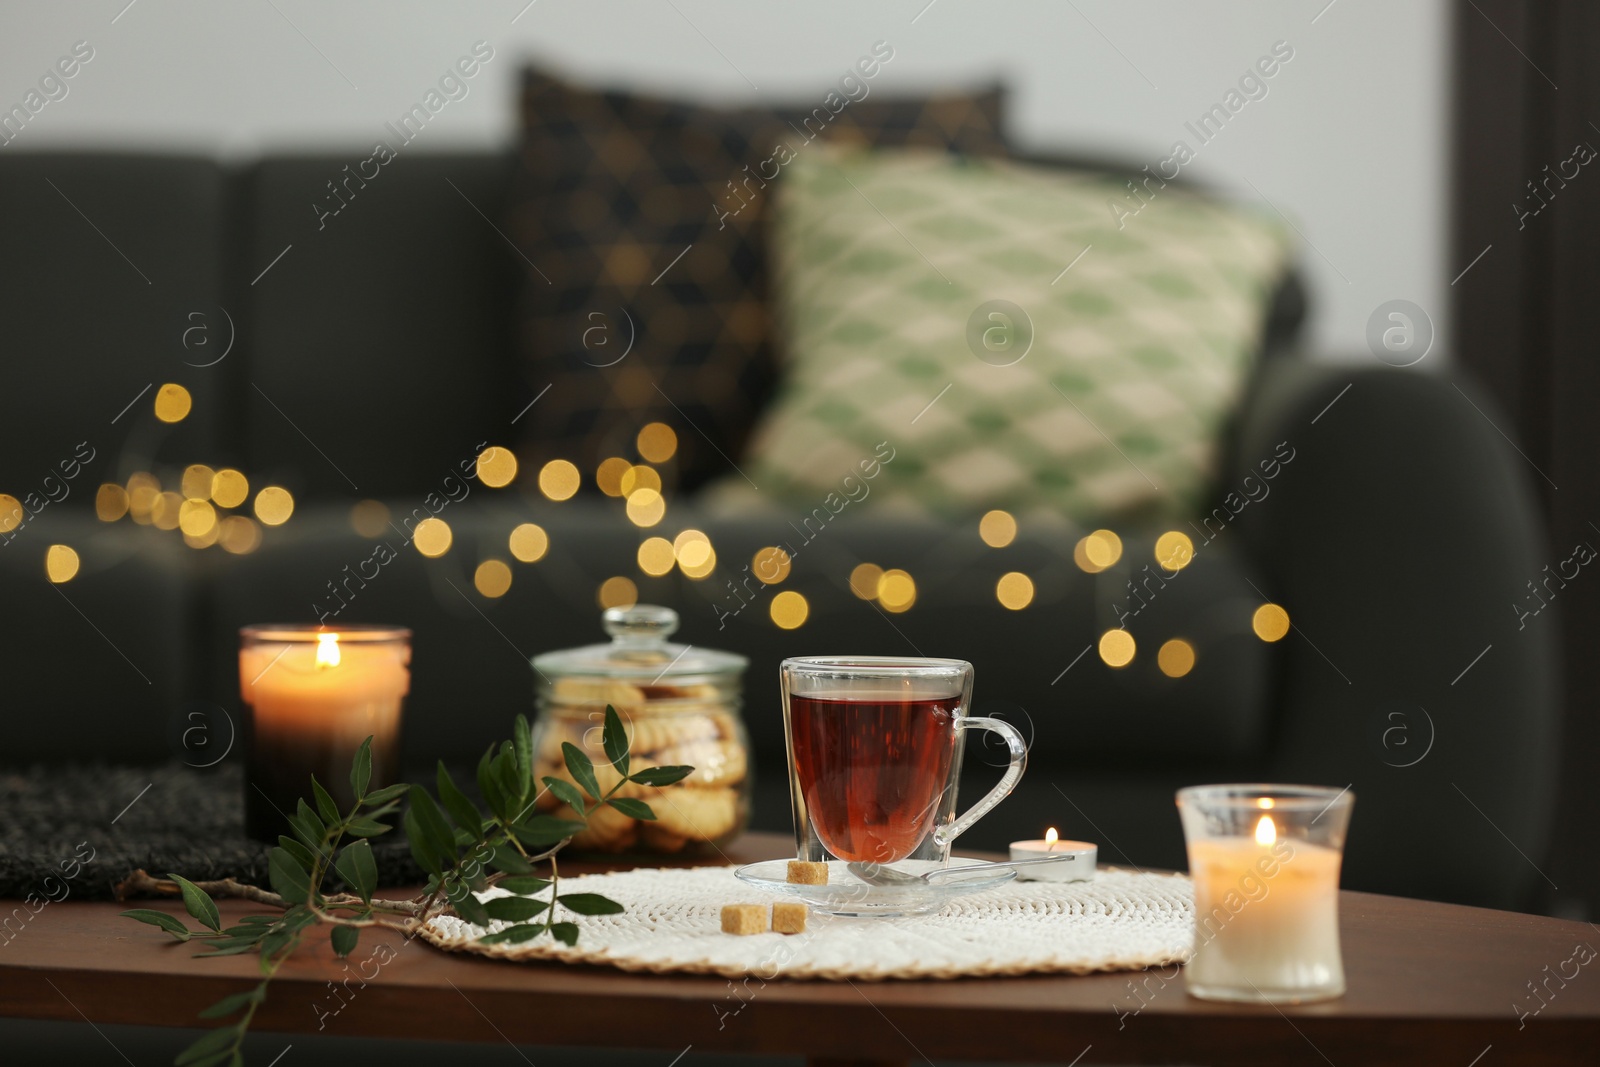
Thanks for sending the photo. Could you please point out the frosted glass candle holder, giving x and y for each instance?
(1265, 864)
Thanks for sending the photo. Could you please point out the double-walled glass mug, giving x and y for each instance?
(875, 756)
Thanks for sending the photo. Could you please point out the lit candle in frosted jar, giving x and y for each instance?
(1266, 899)
(311, 697)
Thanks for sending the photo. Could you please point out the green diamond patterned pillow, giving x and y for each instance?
(1014, 341)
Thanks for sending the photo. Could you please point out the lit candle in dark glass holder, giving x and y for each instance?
(311, 696)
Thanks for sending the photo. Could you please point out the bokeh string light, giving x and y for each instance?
(198, 503)
(1014, 590)
(897, 591)
(998, 529)
(1096, 551)
(656, 556)
(529, 542)
(492, 578)
(789, 610)
(497, 467)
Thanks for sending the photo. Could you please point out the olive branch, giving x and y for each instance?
(464, 850)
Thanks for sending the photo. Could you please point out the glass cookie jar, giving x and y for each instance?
(680, 704)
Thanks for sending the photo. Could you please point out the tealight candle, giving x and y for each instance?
(1077, 864)
(311, 697)
(1265, 865)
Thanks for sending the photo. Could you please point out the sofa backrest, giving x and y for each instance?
(377, 345)
(341, 346)
(106, 257)
(342, 323)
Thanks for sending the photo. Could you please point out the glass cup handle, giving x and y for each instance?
(943, 835)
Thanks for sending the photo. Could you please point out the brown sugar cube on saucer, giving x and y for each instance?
(744, 919)
(789, 917)
(802, 872)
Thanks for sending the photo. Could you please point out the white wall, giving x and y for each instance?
(1350, 141)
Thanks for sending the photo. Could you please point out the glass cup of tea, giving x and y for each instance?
(875, 748)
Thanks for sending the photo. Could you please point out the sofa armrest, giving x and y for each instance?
(102, 666)
(1401, 537)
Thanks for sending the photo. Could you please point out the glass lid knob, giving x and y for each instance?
(640, 624)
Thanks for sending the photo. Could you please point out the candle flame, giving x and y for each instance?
(327, 650)
(1266, 831)
(1050, 837)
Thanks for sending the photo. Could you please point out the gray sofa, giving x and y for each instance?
(370, 358)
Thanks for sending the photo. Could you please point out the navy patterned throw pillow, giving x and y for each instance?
(644, 224)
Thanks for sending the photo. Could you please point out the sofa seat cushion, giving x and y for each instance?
(1037, 666)
(1017, 344)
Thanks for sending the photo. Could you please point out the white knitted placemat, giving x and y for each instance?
(1122, 920)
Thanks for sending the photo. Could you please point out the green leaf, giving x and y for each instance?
(207, 1046)
(590, 904)
(308, 825)
(273, 945)
(615, 741)
(361, 769)
(421, 850)
(568, 794)
(229, 1005)
(199, 903)
(512, 935)
(467, 906)
(637, 809)
(463, 811)
(514, 909)
(344, 939)
(505, 858)
(493, 795)
(386, 794)
(661, 775)
(309, 832)
(566, 933)
(228, 946)
(581, 768)
(171, 924)
(430, 820)
(309, 816)
(505, 774)
(325, 805)
(304, 856)
(363, 827)
(254, 931)
(289, 880)
(522, 744)
(359, 870)
(524, 885)
(542, 831)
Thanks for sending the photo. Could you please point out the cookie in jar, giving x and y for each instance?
(680, 706)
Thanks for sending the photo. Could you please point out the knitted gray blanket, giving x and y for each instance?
(76, 831)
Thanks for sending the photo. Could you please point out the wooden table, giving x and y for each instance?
(1428, 983)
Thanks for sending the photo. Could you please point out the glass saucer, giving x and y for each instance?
(847, 895)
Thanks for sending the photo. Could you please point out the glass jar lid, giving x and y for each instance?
(639, 651)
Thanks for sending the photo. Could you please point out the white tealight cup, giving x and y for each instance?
(1077, 863)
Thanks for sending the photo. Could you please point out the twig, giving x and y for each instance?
(141, 883)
